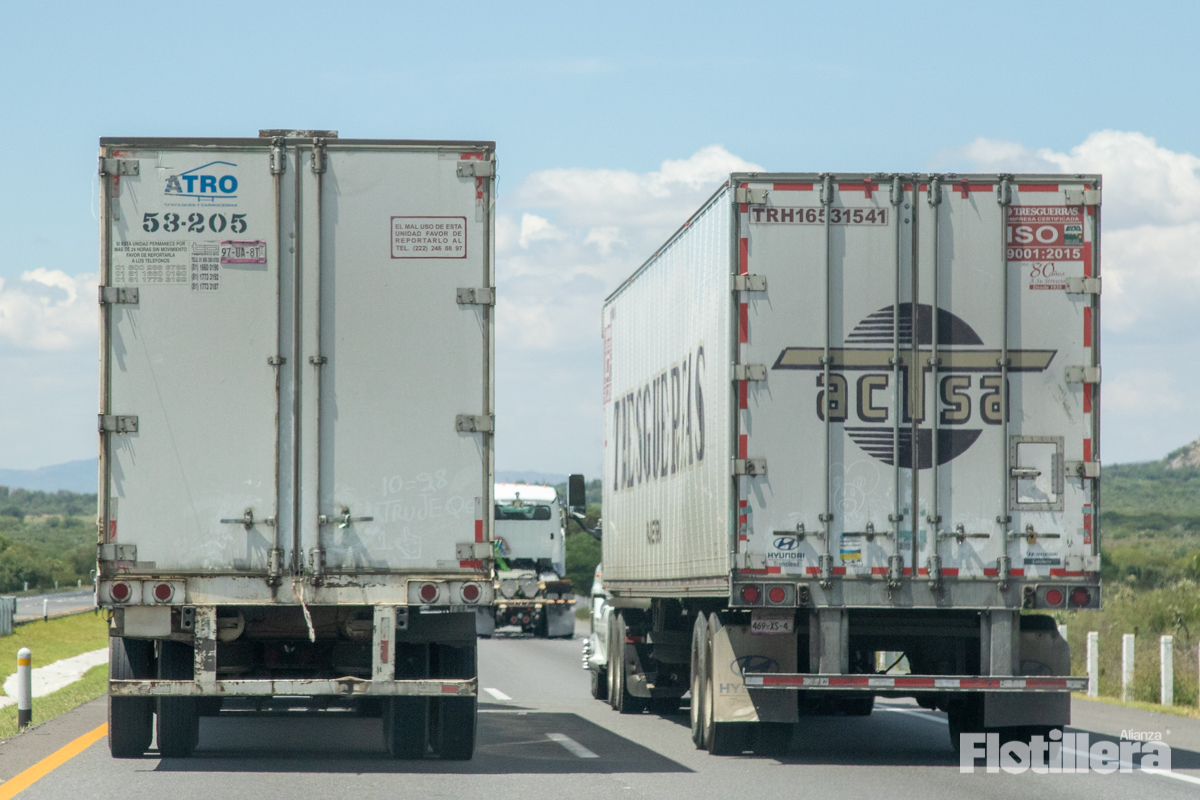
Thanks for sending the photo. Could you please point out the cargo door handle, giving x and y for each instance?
(1025, 473)
(343, 519)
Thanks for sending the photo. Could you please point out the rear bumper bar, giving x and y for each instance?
(339, 687)
(913, 683)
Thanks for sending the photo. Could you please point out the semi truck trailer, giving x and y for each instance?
(295, 430)
(530, 588)
(848, 415)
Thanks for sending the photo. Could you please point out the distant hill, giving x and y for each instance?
(73, 476)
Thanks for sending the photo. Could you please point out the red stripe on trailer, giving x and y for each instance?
(1087, 326)
(908, 570)
(471, 157)
(449, 689)
(1062, 573)
(1017, 572)
(965, 188)
(812, 570)
(793, 187)
(1087, 449)
(749, 571)
(744, 207)
(479, 530)
(744, 322)
(742, 519)
(1037, 187)
(879, 570)
(1087, 524)
(743, 394)
(470, 564)
(839, 570)
(950, 572)
(742, 443)
(866, 188)
(1087, 398)
(743, 255)
(991, 572)
(774, 570)
(743, 503)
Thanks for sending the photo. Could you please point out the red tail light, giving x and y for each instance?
(777, 594)
(163, 592)
(120, 592)
(429, 592)
(1081, 597)
(750, 594)
(1054, 597)
(470, 592)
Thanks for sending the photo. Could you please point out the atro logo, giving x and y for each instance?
(208, 182)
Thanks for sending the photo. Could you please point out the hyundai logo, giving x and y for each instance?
(787, 543)
(754, 664)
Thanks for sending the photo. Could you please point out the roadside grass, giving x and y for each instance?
(93, 684)
(53, 640)
(1177, 711)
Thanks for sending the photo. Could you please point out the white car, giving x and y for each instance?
(595, 647)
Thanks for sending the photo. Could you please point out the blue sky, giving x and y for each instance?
(628, 101)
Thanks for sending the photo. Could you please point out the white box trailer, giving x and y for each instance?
(766, 375)
(295, 429)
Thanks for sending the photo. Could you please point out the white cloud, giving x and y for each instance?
(48, 310)
(536, 229)
(1150, 264)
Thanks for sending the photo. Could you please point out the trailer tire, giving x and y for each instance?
(178, 724)
(621, 699)
(600, 684)
(699, 651)
(456, 717)
(404, 727)
(965, 716)
(130, 719)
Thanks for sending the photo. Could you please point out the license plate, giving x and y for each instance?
(771, 625)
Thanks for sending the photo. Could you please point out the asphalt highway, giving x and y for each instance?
(541, 735)
(56, 602)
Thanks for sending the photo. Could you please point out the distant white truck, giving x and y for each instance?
(530, 589)
(848, 415)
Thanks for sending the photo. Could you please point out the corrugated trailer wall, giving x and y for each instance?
(667, 343)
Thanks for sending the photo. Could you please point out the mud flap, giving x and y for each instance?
(560, 621)
(485, 621)
(736, 650)
(1043, 653)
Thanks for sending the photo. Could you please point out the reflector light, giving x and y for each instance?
(429, 592)
(750, 594)
(1054, 597)
(120, 592)
(470, 592)
(163, 592)
(1080, 597)
(776, 594)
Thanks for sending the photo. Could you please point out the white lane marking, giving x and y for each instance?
(496, 693)
(575, 747)
(1123, 764)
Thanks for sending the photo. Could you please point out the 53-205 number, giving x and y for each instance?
(170, 223)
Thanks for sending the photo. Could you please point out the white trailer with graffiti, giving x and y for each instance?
(295, 431)
(848, 415)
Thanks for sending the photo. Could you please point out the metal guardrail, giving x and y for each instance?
(56, 615)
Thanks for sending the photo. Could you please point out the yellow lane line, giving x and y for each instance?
(29, 777)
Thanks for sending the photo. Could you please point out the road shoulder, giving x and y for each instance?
(18, 753)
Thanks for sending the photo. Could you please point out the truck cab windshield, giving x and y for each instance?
(522, 511)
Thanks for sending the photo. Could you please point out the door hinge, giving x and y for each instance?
(747, 194)
(476, 297)
(318, 156)
(468, 423)
(472, 551)
(115, 295)
(476, 169)
(119, 166)
(278, 158)
(276, 361)
(1082, 374)
(749, 372)
(118, 552)
(1082, 197)
(749, 283)
(1081, 469)
(111, 423)
(749, 466)
(1083, 286)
